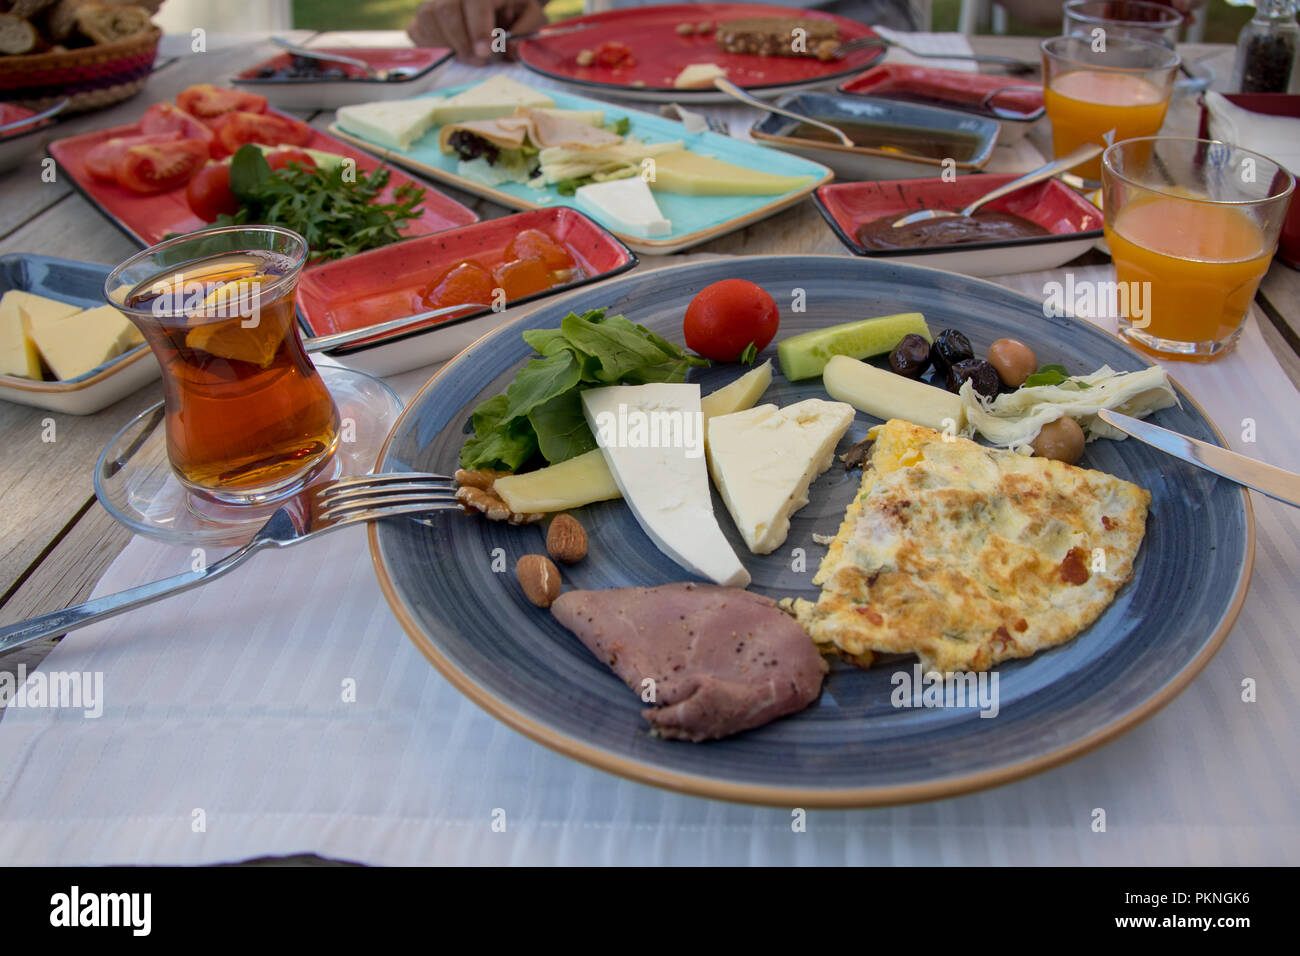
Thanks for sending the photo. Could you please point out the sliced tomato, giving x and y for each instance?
(101, 159)
(205, 101)
(165, 118)
(614, 55)
(208, 192)
(233, 130)
(282, 157)
(158, 167)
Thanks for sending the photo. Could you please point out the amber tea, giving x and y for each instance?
(247, 415)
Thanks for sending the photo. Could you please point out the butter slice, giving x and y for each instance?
(764, 459)
(18, 355)
(396, 124)
(74, 345)
(38, 308)
(495, 97)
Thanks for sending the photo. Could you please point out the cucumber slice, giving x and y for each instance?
(806, 354)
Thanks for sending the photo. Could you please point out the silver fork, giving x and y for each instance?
(312, 512)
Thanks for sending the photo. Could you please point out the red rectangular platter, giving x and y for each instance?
(1051, 204)
(398, 275)
(148, 218)
(1000, 97)
(420, 60)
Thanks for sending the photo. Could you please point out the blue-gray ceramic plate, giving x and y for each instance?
(852, 747)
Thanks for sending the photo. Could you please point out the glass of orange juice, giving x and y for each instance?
(1192, 226)
(1103, 90)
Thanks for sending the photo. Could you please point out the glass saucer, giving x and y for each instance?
(135, 483)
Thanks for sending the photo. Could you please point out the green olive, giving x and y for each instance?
(1014, 360)
(1061, 440)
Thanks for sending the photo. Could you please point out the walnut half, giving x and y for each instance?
(476, 494)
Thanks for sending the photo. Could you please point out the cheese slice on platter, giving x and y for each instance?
(396, 124)
(494, 97)
(651, 438)
(624, 205)
(764, 459)
(695, 175)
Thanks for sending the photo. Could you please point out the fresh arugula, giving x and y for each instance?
(541, 410)
(338, 215)
(1053, 375)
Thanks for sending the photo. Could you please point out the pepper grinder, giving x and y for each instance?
(1267, 49)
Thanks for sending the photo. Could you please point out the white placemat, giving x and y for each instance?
(225, 734)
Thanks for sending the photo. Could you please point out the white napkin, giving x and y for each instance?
(227, 734)
(1277, 137)
(929, 43)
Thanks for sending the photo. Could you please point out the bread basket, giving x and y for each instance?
(90, 77)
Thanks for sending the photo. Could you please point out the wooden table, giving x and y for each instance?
(57, 539)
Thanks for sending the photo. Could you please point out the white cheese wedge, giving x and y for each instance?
(396, 124)
(38, 308)
(624, 205)
(77, 344)
(651, 438)
(698, 74)
(764, 459)
(18, 355)
(495, 97)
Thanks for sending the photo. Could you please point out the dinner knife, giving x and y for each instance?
(1266, 479)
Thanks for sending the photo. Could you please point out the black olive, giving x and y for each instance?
(856, 456)
(911, 357)
(983, 377)
(950, 347)
(265, 73)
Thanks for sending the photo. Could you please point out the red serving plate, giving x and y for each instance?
(1051, 204)
(419, 60)
(1270, 104)
(985, 94)
(148, 218)
(389, 282)
(12, 113)
(661, 54)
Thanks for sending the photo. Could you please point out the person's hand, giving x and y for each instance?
(466, 25)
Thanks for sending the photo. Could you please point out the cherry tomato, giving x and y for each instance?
(282, 157)
(613, 55)
(205, 101)
(101, 159)
(467, 282)
(165, 118)
(235, 129)
(521, 277)
(158, 167)
(208, 192)
(724, 318)
(533, 243)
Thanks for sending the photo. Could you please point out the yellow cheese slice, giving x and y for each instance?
(695, 175)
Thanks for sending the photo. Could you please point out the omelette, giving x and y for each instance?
(968, 556)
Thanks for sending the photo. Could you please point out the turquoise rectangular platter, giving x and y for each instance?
(695, 219)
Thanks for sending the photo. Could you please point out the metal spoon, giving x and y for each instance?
(35, 118)
(319, 343)
(867, 43)
(1081, 155)
(732, 90)
(371, 72)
